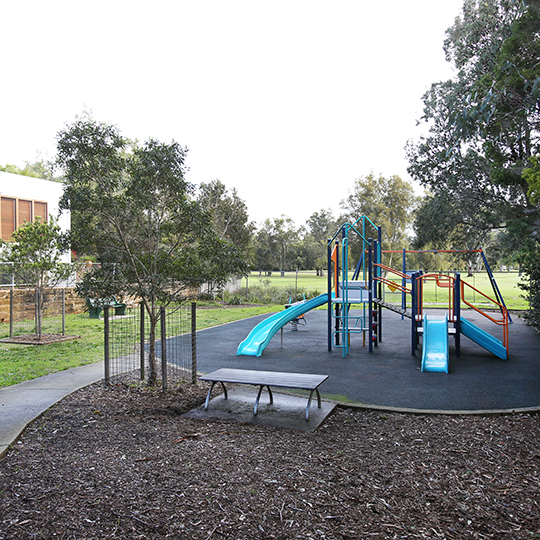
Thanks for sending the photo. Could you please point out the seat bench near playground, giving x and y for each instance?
(297, 381)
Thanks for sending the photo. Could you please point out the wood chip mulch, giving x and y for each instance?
(122, 463)
(35, 339)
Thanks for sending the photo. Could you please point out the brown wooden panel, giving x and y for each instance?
(40, 209)
(25, 212)
(8, 217)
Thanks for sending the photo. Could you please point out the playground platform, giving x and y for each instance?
(391, 377)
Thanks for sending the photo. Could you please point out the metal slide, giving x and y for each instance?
(435, 344)
(490, 343)
(261, 335)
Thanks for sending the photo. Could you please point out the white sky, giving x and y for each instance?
(288, 101)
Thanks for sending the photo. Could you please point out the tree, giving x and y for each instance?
(276, 239)
(229, 214)
(134, 210)
(321, 226)
(34, 257)
(38, 169)
(479, 160)
(387, 202)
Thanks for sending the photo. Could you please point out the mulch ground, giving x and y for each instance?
(122, 462)
(35, 339)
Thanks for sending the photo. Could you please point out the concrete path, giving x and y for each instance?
(24, 402)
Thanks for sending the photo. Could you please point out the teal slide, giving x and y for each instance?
(491, 344)
(261, 335)
(435, 344)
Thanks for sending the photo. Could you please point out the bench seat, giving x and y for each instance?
(298, 381)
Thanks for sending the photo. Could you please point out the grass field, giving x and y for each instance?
(507, 283)
(22, 362)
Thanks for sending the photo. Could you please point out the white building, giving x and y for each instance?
(22, 198)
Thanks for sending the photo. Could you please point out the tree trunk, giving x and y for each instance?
(152, 373)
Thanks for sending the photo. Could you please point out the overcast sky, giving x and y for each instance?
(288, 101)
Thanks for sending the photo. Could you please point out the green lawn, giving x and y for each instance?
(22, 362)
(308, 281)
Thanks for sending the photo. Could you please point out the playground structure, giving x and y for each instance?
(364, 290)
(356, 303)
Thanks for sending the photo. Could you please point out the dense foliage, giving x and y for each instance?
(480, 158)
(133, 209)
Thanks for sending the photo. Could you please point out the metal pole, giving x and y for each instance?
(106, 345)
(457, 314)
(370, 294)
(64, 312)
(329, 280)
(11, 313)
(163, 349)
(193, 342)
(142, 340)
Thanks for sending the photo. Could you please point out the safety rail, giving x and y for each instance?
(392, 270)
(389, 282)
(504, 311)
(449, 282)
(393, 284)
(438, 278)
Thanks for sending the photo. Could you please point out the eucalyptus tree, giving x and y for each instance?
(389, 202)
(480, 157)
(134, 210)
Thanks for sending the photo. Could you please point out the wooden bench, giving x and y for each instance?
(95, 305)
(298, 381)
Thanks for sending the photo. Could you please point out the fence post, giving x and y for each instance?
(163, 349)
(11, 313)
(63, 312)
(106, 344)
(193, 342)
(36, 325)
(142, 341)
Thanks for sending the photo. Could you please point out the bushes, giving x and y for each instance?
(267, 294)
(531, 286)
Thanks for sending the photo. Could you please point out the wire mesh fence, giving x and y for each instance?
(128, 346)
(20, 316)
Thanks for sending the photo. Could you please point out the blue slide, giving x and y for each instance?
(490, 343)
(261, 335)
(435, 345)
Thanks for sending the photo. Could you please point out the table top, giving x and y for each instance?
(307, 381)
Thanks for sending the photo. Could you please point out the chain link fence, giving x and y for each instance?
(127, 345)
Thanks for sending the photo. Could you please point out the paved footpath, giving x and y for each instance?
(22, 403)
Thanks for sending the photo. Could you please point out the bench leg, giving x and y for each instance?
(309, 402)
(259, 397)
(210, 392)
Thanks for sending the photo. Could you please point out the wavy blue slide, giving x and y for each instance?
(261, 335)
(490, 343)
(435, 345)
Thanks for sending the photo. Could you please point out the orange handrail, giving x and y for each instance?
(393, 270)
(504, 311)
(448, 282)
(393, 284)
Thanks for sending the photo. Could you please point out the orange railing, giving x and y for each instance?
(449, 282)
(389, 282)
(443, 282)
(504, 312)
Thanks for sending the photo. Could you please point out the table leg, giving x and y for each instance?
(259, 397)
(210, 392)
